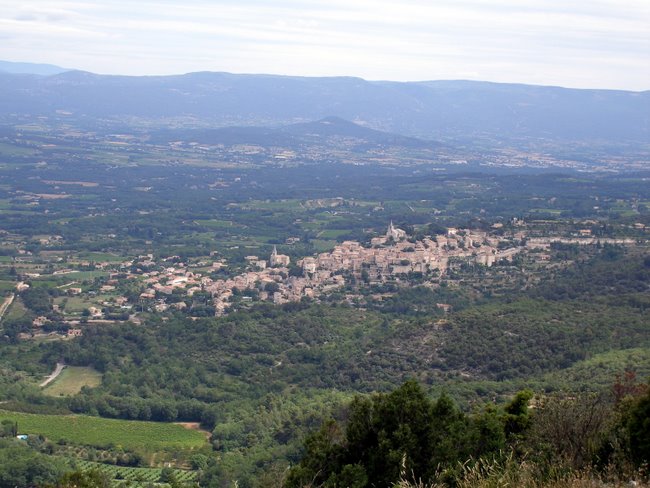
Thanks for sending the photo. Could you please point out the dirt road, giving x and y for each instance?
(54, 375)
(8, 301)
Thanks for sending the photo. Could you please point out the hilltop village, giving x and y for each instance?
(389, 257)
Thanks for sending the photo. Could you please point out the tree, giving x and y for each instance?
(638, 429)
(167, 475)
(272, 287)
(323, 457)
(37, 300)
(404, 427)
(85, 479)
(20, 466)
(199, 461)
(487, 435)
(8, 428)
(570, 429)
(295, 270)
(516, 418)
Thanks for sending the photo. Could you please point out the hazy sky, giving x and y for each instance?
(575, 43)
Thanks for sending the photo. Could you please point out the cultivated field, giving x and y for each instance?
(134, 475)
(100, 432)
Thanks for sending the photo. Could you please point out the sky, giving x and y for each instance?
(572, 43)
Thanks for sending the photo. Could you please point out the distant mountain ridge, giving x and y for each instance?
(430, 110)
(30, 68)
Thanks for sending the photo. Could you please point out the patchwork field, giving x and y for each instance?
(100, 432)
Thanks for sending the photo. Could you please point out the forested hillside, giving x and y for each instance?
(261, 379)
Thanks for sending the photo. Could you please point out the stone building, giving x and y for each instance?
(279, 259)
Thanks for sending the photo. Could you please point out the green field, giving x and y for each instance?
(16, 310)
(553, 211)
(72, 379)
(323, 245)
(75, 304)
(332, 234)
(13, 150)
(100, 256)
(283, 205)
(86, 275)
(216, 223)
(100, 432)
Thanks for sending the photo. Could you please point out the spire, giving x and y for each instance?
(391, 230)
(275, 251)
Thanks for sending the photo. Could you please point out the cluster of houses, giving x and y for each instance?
(389, 257)
(392, 257)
